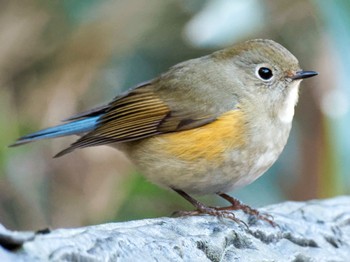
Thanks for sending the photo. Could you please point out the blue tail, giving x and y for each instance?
(71, 128)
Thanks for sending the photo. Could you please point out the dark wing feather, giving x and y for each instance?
(139, 114)
(90, 113)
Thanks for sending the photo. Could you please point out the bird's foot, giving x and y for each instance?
(238, 205)
(202, 209)
(213, 211)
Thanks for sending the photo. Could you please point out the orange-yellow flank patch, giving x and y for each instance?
(208, 142)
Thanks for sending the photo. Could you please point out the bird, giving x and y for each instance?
(208, 125)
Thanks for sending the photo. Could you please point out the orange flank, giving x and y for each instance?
(207, 142)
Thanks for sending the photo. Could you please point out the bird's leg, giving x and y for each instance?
(203, 209)
(237, 205)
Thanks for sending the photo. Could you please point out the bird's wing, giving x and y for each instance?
(139, 114)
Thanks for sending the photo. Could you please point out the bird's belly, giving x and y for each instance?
(205, 160)
(238, 169)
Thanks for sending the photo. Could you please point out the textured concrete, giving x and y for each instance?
(307, 231)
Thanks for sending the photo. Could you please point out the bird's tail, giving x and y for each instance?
(71, 128)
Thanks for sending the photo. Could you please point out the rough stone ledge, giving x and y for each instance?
(317, 230)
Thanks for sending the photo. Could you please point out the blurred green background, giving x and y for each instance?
(58, 58)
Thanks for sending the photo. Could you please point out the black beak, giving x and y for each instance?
(304, 74)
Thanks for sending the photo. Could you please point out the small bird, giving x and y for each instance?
(207, 126)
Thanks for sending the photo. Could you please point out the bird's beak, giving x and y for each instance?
(303, 74)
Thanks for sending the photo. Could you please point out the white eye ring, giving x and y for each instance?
(265, 73)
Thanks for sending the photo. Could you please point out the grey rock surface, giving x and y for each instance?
(307, 231)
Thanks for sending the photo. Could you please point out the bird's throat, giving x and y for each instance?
(286, 111)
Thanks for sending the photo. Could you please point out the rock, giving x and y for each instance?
(316, 230)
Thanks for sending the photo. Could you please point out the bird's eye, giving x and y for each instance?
(264, 73)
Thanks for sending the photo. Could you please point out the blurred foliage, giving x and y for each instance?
(58, 58)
